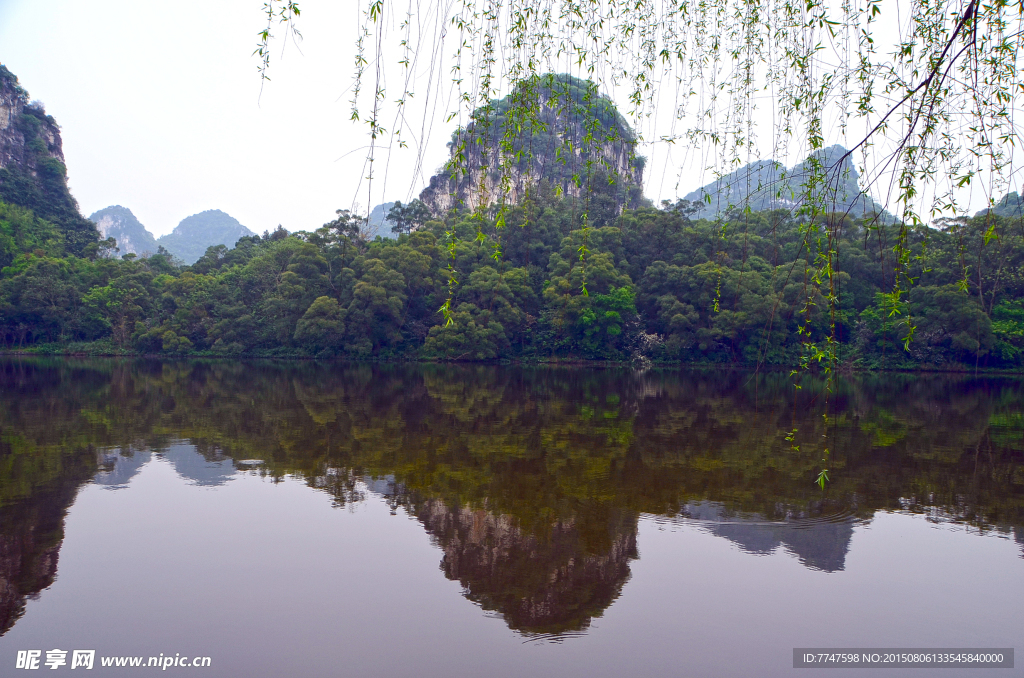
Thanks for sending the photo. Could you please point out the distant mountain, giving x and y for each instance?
(378, 224)
(768, 185)
(190, 239)
(1009, 206)
(120, 224)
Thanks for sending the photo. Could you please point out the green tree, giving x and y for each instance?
(322, 326)
(119, 305)
(406, 218)
(377, 310)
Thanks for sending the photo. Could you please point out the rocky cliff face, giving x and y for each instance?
(16, 133)
(32, 169)
(556, 129)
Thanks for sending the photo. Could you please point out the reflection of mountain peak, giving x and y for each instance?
(820, 545)
(540, 583)
(116, 469)
(203, 469)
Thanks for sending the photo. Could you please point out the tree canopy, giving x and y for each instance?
(657, 285)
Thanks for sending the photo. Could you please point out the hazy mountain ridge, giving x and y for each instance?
(193, 235)
(188, 241)
(1010, 206)
(768, 185)
(33, 175)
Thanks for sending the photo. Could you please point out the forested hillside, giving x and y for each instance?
(657, 283)
(534, 280)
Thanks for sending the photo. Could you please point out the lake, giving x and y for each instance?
(310, 519)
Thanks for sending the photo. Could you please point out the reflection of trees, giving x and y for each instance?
(550, 466)
(45, 456)
(31, 533)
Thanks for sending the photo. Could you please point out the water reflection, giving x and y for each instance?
(531, 481)
(552, 581)
(118, 467)
(819, 543)
(31, 532)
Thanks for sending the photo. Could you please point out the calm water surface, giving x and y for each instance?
(355, 520)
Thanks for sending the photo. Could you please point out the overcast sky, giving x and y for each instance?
(161, 111)
(160, 108)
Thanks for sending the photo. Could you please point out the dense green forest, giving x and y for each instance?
(653, 282)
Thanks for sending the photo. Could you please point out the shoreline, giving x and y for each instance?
(551, 361)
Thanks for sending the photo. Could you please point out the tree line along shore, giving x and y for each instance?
(651, 283)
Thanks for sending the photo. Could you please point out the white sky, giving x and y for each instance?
(161, 112)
